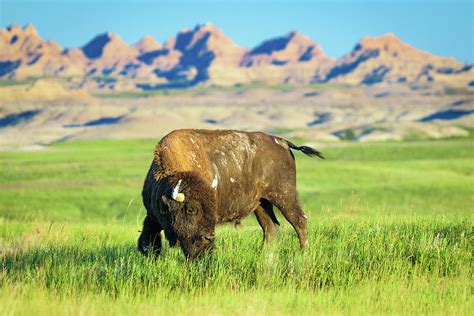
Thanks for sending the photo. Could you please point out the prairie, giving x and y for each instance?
(390, 231)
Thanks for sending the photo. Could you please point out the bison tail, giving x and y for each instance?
(308, 151)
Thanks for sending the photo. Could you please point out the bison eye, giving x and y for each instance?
(191, 211)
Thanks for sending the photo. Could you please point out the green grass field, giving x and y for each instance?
(390, 231)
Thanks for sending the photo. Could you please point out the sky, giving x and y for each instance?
(442, 27)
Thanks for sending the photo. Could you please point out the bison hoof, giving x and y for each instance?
(147, 249)
(144, 249)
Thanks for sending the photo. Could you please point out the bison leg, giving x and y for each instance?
(267, 220)
(149, 241)
(172, 238)
(293, 213)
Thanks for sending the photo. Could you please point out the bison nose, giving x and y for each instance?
(210, 237)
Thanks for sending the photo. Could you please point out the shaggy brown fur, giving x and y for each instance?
(224, 175)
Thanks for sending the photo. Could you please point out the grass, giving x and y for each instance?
(458, 91)
(128, 94)
(425, 263)
(390, 231)
(209, 89)
(11, 82)
(101, 180)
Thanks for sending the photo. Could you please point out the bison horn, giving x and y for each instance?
(179, 197)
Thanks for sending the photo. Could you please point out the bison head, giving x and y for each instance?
(188, 210)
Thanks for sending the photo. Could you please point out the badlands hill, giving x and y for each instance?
(205, 55)
(387, 59)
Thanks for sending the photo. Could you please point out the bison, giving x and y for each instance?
(200, 178)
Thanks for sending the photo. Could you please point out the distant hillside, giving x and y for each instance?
(387, 59)
(206, 55)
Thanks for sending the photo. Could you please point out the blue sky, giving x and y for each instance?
(441, 27)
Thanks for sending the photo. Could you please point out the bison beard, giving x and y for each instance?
(199, 179)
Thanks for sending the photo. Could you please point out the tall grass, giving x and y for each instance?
(76, 260)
